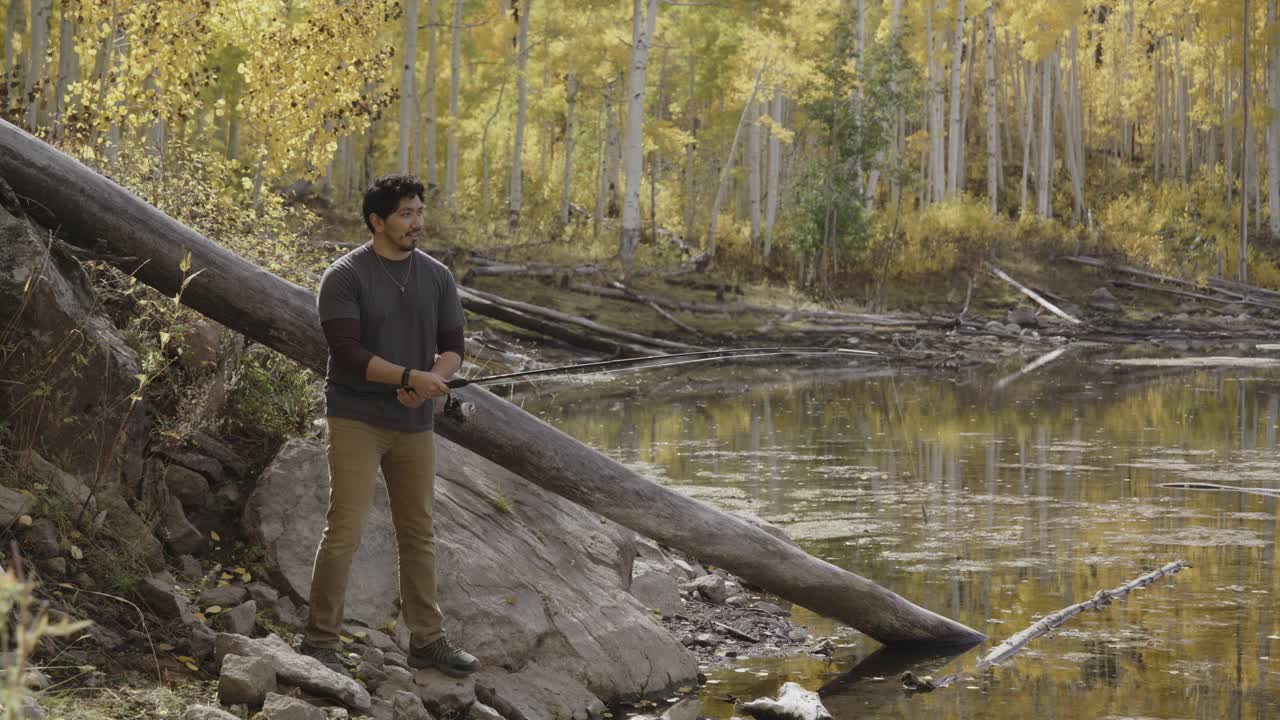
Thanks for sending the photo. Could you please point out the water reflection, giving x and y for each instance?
(995, 508)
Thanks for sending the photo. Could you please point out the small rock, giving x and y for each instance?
(41, 539)
(225, 596)
(190, 568)
(263, 594)
(706, 640)
(1102, 299)
(687, 709)
(994, 326)
(280, 707)
(373, 676)
(398, 659)
(376, 638)
(407, 706)
(658, 591)
(286, 613)
(770, 608)
(690, 570)
(373, 656)
(245, 680)
(445, 695)
(480, 711)
(798, 635)
(688, 640)
(711, 587)
(205, 712)
(159, 595)
(241, 619)
(739, 601)
(177, 531)
(56, 566)
(35, 680)
(1013, 328)
(1024, 317)
(187, 485)
(84, 581)
(202, 641)
(733, 589)
(337, 713)
(13, 505)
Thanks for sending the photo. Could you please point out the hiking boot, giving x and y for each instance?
(331, 658)
(445, 657)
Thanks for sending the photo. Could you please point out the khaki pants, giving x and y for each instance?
(356, 449)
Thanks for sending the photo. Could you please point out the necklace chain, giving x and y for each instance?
(402, 285)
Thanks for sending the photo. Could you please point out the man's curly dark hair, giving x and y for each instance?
(384, 195)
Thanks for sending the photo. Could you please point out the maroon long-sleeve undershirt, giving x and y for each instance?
(343, 336)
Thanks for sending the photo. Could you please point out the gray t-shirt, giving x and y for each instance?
(400, 328)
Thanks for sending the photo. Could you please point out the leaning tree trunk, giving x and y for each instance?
(277, 313)
(633, 147)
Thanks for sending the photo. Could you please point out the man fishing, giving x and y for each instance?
(393, 322)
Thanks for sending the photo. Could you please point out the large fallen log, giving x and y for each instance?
(484, 304)
(88, 208)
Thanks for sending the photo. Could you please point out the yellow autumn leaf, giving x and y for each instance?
(213, 609)
(192, 667)
(346, 639)
(246, 577)
(214, 534)
(239, 570)
(226, 576)
(77, 553)
(25, 521)
(183, 658)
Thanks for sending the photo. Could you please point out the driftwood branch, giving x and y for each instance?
(615, 335)
(735, 632)
(1045, 625)
(1033, 295)
(1268, 492)
(1031, 367)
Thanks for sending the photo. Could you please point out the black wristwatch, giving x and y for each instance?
(404, 379)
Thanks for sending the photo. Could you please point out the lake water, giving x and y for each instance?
(993, 504)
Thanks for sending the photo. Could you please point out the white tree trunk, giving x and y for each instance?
(962, 172)
(937, 180)
(690, 175)
(1044, 179)
(408, 83)
(516, 187)
(41, 16)
(1028, 131)
(633, 147)
(1273, 128)
(954, 135)
(455, 79)
(571, 101)
(15, 22)
(429, 98)
(993, 115)
(1181, 112)
(1244, 156)
(753, 171)
(775, 174)
(68, 68)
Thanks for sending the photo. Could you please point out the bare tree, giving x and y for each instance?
(516, 188)
(408, 83)
(642, 28)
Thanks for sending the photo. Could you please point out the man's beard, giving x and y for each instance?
(407, 242)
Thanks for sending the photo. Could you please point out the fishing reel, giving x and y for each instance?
(457, 410)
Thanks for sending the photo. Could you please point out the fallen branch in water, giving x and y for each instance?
(1043, 626)
(1269, 492)
(735, 632)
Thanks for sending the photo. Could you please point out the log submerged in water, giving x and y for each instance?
(63, 193)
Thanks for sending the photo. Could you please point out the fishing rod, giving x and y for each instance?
(459, 410)
(626, 363)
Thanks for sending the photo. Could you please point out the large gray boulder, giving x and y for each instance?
(63, 349)
(526, 579)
